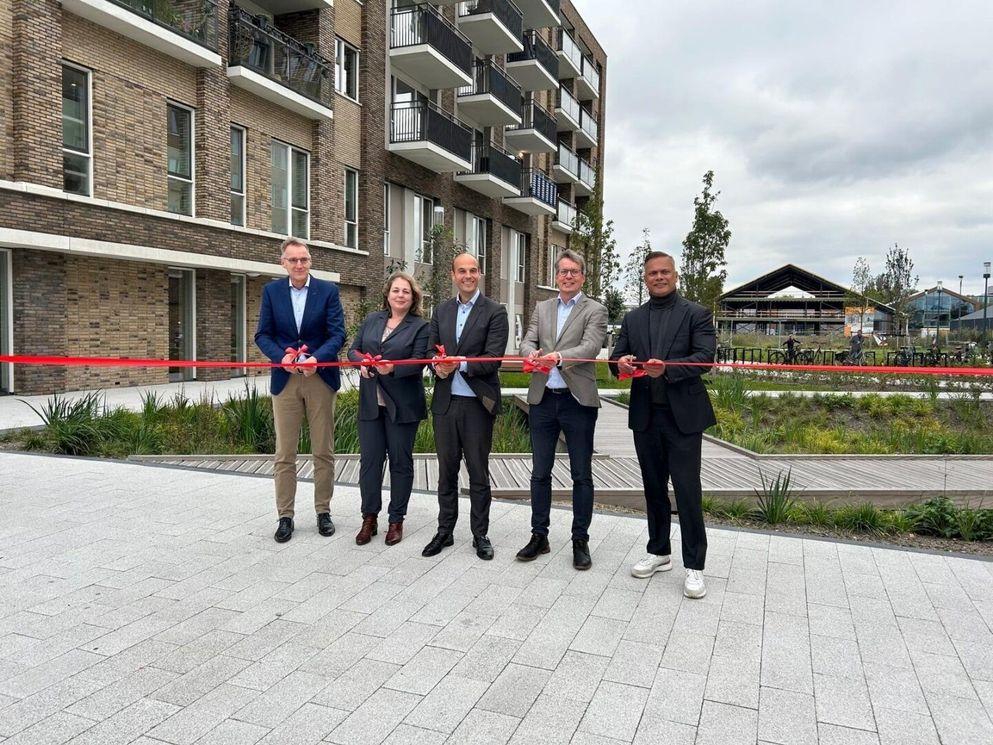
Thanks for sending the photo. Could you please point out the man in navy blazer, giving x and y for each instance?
(301, 323)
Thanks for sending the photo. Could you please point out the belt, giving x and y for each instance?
(557, 391)
(465, 398)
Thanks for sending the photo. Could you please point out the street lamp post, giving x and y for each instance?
(937, 320)
(986, 295)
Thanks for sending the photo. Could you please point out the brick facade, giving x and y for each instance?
(78, 305)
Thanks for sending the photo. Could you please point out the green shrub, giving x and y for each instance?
(249, 421)
(864, 518)
(814, 513)
(936, 517)
(776, 500)
(71, 425)
(730, 391)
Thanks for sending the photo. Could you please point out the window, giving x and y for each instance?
(424, 211)
(290, 190)
(6, 319)
(180, 150)
(351, 208)
(475, 239)
(386, 219)
(237, 175)
(553, 254)
(521, 255)
(346, 69)
(77, 160)
(239, 310)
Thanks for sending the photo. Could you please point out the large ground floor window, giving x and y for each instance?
(6, 319)
(182, 322)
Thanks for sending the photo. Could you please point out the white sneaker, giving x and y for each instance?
(651, 564)
(694, 586)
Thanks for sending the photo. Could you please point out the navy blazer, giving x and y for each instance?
(322, 328)
(484, 335)
(403, 389)
(689, 337)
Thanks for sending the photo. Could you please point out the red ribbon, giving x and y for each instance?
(639, 372)
(533, 366)
(368, 359)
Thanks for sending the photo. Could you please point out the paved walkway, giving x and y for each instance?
(151, 605)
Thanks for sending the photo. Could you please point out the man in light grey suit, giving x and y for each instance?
(565, 400)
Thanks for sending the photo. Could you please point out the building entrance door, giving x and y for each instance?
(182, 322)
(6, 320)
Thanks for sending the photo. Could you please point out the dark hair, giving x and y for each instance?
(651, 255)
(416, 294)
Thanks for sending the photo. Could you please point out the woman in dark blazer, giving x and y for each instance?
(391, 402)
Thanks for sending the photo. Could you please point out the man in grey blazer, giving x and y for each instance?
(564, 401)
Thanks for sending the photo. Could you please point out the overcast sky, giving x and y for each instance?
(834, 129)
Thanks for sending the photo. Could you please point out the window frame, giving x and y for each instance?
(341, 51)
(520, 273)
(193, 157)
(386, 218)
(290, 149)
(88, 74)
(421, 202)
(354, 223)
(244, 175)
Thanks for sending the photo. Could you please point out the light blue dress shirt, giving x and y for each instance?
(299, 299)
(555, 379)
(459, 386)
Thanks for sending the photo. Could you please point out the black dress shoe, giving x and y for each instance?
(284, 530)
(484, 549)
(440, 541)
(324, 525)
(536, 546)
(581, 554)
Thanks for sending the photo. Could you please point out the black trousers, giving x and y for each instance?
(379, 438)
(560, 412)
(464, 431)
(664, 452)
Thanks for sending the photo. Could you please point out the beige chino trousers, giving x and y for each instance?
(310, 397)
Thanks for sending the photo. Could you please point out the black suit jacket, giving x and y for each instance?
(689, 337)
(403, 389)
(484, 335)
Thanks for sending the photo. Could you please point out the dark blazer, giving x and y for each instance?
(689, 337)
(484, 335)
(322, 328)
(403, 389)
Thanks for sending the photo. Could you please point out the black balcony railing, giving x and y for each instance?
(536, 184)
(567, 160)
(504, 10)
(536, 48)
(535, 116)
(261, 47)
(194, 19)
(488, 78)
(494, 160)
(423, 121)
(424, 24)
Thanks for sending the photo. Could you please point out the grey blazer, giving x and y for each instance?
(582, 336)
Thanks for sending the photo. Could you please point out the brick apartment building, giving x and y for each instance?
(156, 152)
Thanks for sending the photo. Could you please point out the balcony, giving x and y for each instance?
(587, 179)
(535, 68)
(273, 65)
(588, 134)
(278, 7)
(185, 30)
(427, 135)
(494, 26)
(495, 172)
(492, 99)
(535, 133)
(570, 58)
(588, 84)
(428, 48)
(566, 111)
(539, 13)
(565, 217)
(565, 170)
(538, 194)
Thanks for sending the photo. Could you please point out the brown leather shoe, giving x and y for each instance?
(367, 531)
(395, 534)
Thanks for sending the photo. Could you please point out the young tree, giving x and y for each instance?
(897, 283)
(862, 281)
(436, 276)
(703, 266)
(614, 300)
(593, 237)
(634, 269)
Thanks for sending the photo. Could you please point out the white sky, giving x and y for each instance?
(834, 129)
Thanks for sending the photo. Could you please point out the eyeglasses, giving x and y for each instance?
(304, 260)
(570, 272)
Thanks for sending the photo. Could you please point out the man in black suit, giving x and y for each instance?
(669, 411)
(466, 402)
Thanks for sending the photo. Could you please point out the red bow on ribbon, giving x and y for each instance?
(533, 366)
(368, 359)
(296, 352)
(639, 372)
